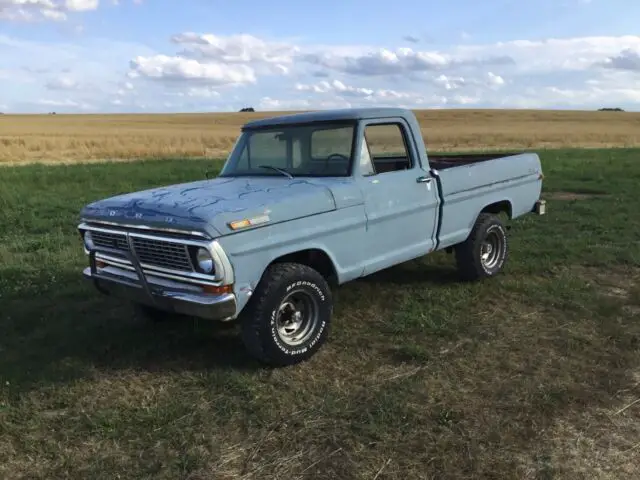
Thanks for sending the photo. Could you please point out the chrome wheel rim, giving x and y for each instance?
(492, 248)
(297, 317)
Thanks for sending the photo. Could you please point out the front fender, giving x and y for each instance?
(338, 234)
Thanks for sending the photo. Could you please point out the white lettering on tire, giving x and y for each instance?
(502, 255)
(320, 329)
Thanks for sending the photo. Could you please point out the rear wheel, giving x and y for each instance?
(484, 253)
(288, 317)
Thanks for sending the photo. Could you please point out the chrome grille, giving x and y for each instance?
(162, 254)
(152, 252)
(109, 240)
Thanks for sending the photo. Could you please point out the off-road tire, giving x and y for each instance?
(258, 320)
(469, 253)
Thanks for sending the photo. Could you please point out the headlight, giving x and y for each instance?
(88, 241)
(205, 261)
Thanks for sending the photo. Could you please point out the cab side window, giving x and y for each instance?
(387, 147)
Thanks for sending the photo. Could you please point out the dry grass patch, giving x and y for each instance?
(64, 138)
(617, 282)
(570, 196)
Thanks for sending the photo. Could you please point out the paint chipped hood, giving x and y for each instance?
(210, 205)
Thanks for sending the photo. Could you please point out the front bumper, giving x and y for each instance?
(162, 293)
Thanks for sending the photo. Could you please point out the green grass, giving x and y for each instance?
(423, 376)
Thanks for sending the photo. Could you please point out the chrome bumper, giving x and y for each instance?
(165, 294)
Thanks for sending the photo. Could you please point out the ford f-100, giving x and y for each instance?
(305, 202)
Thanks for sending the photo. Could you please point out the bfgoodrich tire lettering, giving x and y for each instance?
(288, 318)
(484, 253)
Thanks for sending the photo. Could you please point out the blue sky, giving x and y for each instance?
(217, 55)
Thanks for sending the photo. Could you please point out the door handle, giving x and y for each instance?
(424, 179)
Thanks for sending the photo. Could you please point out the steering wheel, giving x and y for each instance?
(338, 155)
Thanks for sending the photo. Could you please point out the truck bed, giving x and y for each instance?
(388, 163)
(442, 162)
(510, 179)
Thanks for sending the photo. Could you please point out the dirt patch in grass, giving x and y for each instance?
(569, 196)
(583, 448)
(632, 309)
(616, 283)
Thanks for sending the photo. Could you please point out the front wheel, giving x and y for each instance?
(288, 317)
(484, 253)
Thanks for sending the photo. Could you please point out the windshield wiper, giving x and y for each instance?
(280, 170)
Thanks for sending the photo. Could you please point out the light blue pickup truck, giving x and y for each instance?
(305, 202)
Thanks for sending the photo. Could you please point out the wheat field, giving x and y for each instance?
(78, 138)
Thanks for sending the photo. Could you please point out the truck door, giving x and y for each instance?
(400, 196)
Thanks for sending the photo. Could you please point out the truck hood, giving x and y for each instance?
(209, 205)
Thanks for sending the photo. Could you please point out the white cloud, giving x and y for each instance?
(163, 67)
(83, 75)
(520, 55)
(586, 96)
(218, 60)
(35, 10)
(628, 59)
(214, 72)
(384, 61)
(336, 86)
(202, 92)
(205, 92)
(337, 92)
(81, 5)
(235, 48)
(65, 103)
(340, 89)
(490, 80)
(462, 100)
(62, 83)
(235, 59)
(554, 54)
(268, 103)
(495, 80)
(380, 62)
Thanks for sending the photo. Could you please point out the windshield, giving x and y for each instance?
(319, 150)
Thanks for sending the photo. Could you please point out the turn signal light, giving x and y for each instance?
(218, 290)
(249, 222)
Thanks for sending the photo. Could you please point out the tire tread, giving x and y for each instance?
(467, 262)
(252, 315)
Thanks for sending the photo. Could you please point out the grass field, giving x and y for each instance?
(68, 138)
(532, 375)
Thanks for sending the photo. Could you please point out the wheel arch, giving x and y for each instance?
(502, 206)
(498, 207)
(314, 257)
